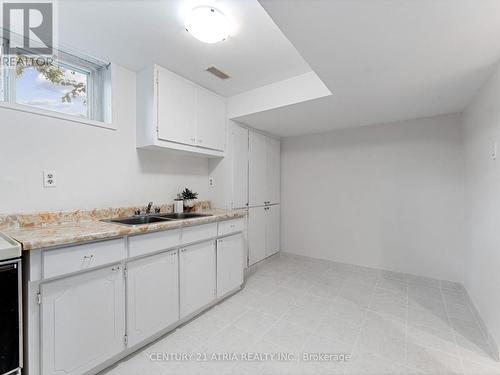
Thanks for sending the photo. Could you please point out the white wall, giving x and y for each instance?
(95, 167)
(388, 196)
(482, 193)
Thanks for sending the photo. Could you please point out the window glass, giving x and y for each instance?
(57, 88)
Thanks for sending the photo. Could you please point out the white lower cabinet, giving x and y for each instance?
(82, 321)
(263, 232)
(197, 276)
(89, 319)
(256, 234)
(152, 295)
(272, 229)
(229, 264)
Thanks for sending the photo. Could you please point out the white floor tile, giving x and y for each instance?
(442, 340)
(391, 323)
(388, 346)
(287, 335)
(255, 322)
(366, 363)
(336, 328)
(431, 361)
(376, 323)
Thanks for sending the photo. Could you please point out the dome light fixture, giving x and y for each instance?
(207, 24)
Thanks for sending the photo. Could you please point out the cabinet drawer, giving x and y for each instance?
(77, 258)
(151, 242)
(199, 233)
(231, 226)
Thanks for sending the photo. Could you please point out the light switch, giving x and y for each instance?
(494, 150)
(49, 179)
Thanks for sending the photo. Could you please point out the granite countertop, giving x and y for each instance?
(44, 233)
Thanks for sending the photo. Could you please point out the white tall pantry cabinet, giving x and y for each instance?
(264, 197)
(239, 165)
(263, 170)
(249, 177)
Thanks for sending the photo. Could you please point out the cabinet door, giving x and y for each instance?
(239, 155)
(256, 234)
(272, 229)
(273, 170)
(152, 295)
(257, 169)
(211, 120)
(176, 108)
(82, 321)
(229, 264)
(197, 276)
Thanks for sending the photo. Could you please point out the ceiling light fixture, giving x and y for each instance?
(207, 24)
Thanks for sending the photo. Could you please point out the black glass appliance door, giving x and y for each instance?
(9, 316)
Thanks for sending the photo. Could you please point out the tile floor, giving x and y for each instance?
(388, 323)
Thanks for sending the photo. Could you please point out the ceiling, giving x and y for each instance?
(138, 33)
(384, 60)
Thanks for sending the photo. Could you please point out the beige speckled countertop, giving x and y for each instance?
(41, 233)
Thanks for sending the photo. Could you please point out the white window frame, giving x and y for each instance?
(98, 89)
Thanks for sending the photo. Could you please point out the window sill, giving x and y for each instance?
(61, 116)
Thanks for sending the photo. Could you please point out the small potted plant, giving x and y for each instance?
(189, 197)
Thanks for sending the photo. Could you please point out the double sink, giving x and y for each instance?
(149, 219)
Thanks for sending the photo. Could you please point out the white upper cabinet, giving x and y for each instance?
(257, 169)
(264, 170)
(211, 120)
(239, 167)
(176, 108)
(173, 113)
(273, 170)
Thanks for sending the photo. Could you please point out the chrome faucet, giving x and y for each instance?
(148, 209)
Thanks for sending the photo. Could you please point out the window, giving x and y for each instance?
(69, 85)
(60, 88)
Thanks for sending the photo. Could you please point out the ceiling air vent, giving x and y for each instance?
(216, 72)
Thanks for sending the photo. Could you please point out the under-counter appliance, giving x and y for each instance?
(11, 324)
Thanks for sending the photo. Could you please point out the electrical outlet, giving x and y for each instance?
(211, 182)
(49, 179)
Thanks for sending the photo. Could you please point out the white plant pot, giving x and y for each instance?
(189, 203)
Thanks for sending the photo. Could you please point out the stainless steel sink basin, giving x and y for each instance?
(138, 220)
(186, 215)
(149, 219)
